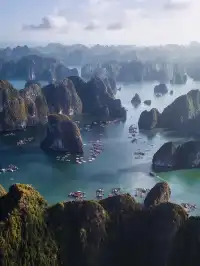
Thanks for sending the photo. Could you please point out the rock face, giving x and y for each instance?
(165, 157)
(183, 113)
(43, 67)
(103, 233)
(179, 78)
(171, 157)
(36, 105)
(63, 135)
(98, 98)
(147, 102)
(62, 98)
(19, 109)
(136, 100)
(158, 194)
(186, 243)
(149, 119)
(12, 108)
(160, 89)
(165, 219)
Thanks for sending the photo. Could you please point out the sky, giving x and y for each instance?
(135, 22)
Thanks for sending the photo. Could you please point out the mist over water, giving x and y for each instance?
(115, 167)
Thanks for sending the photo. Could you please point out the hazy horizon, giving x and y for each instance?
(104, 22)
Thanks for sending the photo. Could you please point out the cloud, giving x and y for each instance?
(49, 23)
(93, 25)
(115, 26)
(177, 5)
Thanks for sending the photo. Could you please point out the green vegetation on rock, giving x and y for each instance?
(24, 235)
(111, 232)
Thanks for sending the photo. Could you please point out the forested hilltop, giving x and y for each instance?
(113, 231)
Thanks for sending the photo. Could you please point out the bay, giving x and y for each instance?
(115, 167)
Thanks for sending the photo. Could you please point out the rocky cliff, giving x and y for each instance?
(174, 157)
(63, 135)
(62, 98)
(113, 231)
(181, 115)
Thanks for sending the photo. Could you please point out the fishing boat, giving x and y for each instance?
(77, 194)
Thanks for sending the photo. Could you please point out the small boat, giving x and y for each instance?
(116, 191)
(3, 170)
(77, 194)
(100, 190)
(152, 174)
(10, 170)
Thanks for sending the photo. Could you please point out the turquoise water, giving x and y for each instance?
(115, 167)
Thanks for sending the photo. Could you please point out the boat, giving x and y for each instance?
(100, 190)
(3, 170)
(116, 191)
(77, 194)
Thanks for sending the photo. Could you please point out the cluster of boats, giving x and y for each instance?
(96, 149)
(79, 195)
(141, 192)
(9, 134)
(24, 141)
(133, 131)
(10, 168)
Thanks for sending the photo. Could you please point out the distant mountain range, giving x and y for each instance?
(78, 54)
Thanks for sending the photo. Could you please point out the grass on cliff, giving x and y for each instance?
(24, 236)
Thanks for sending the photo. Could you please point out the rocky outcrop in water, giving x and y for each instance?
(105, 233)
(62, 135)
(136, 100)
(97, 98)
(181, 115)
(147, 102)
(179, 78)
(160, 89)
(149, 119)
(174, 157)
(62, 98)
(43, 68)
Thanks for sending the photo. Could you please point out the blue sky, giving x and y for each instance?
(140, 22)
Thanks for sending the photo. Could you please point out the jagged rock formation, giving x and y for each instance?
(160, 193)
(63, 135)
(173, 157)
(160, 89)
(62, 98)
(165, 157)
(136, 100)
(109, 232)
(36, 105)
(179, 78)
(12, 108)
(149, 119)
(98, 98)
(181, 115)
(43, 67)
(147, 102)
(19, 109)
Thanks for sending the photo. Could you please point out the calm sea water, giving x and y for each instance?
(115, 167)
